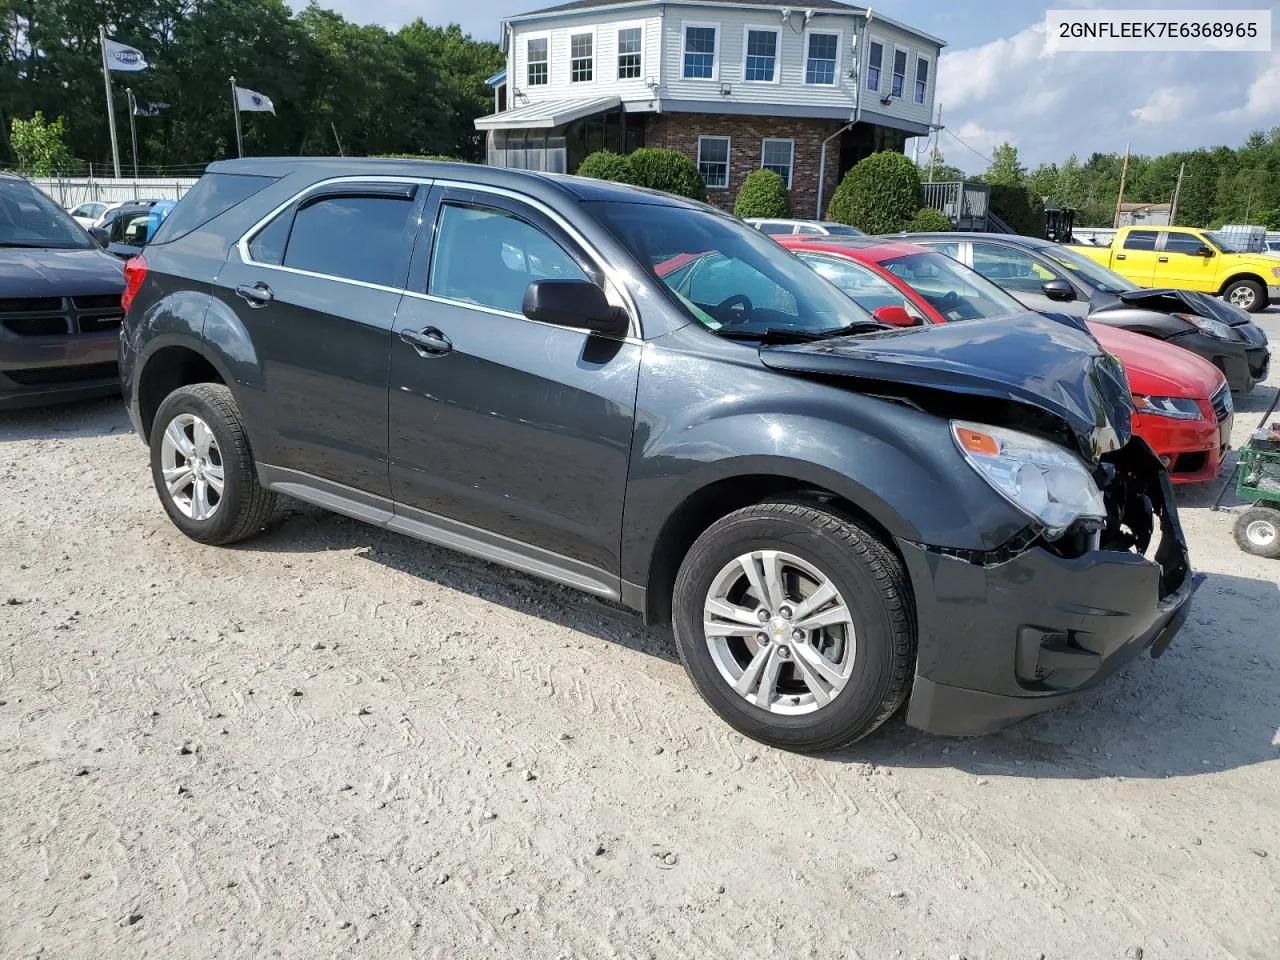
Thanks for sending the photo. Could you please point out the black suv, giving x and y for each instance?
(646, 399)
(59, 303)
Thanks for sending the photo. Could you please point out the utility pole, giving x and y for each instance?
(1124, 172)
(1177, 191)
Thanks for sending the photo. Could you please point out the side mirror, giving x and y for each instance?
(101, 236)
(894, 315)
(1205, 252)
(574, 303)
(1058, 289)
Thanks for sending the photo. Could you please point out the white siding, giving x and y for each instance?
(904, 108)
(791, 89)
(604, 80)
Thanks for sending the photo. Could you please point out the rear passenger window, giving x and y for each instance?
(355, 238)
(489, 257)
(267, 245)
(1140, 240)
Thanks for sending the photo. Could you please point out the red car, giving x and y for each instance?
(1183, 407)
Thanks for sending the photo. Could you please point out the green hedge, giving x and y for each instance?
(881, 194)
(1016, 207)
(607, 165)
(419, 156)
(668, 170)
(763, 194)
(928, 220)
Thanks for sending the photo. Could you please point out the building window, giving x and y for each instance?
(629, 53)
(875, 60)
(761, 63)
(922, 78)
(538, 62)
(778, 155)
(821, 55)
(899, 72)
(700, 52)
(713, 161)
(580, 59)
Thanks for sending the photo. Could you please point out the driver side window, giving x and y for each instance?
(1009, 268)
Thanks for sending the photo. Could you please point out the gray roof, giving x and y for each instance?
(833, 5)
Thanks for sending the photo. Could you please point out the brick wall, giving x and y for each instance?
(680, 131)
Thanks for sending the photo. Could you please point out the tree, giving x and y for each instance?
(1005, 170)
(669, 171)
(38, 146)
(880, 194)
(763, 194)
(934, 169)
(607, 165)
(928, 220)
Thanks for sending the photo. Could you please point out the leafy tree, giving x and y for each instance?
(935, 169)
(880, 194)
(1005, 170)
(928, 220)
(607, 165)
(668, 170)
(763, 194)
(38, 146)
(1016, 207)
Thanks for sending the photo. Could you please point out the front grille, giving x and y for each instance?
(1221, 403)
(92, 324)
(36, 326)
(103, 301)
(30, 304)
(48, 376)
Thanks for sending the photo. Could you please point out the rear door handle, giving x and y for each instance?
(256, 295)
(429, 342)
(1119, 256)
(1162, 259)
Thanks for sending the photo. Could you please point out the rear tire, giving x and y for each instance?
(1248, 295)
(825, 686)
(203, 468)
(1257, 531)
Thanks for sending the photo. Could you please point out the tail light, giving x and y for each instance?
(135, 271)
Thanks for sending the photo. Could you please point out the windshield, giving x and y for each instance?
(726, 275)
(28, 218)
(1089, 272)
(951, 288)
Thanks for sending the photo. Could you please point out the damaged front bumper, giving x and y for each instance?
(1004, 637)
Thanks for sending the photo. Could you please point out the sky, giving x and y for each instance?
(996, 82)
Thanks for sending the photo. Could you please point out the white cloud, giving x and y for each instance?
(1262, 98)
(1166, 105)
(966, 76)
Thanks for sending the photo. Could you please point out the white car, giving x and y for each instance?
(816, 228)
(87, 214)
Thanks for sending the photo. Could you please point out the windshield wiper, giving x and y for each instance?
(798, 335)
(34, 246)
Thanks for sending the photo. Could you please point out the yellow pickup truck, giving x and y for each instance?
(1186, 258)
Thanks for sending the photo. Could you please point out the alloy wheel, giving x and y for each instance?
(192, 465)
(1242, 297)
(779, 632)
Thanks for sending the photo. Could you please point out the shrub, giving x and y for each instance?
(668, 170)
(928, 220)
(420, 156)
(607, 165)
(763, 194)
(1016, 207)
(881, 194)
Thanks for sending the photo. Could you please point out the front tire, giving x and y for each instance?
(1257, 531)
(796, 625)
(203, 469)
(1248, 295)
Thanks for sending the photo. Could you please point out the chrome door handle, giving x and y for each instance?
(428, 342)
(256, 295)
(1119, 256)
(1162, 259)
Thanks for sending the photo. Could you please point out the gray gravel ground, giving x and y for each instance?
(335, 741)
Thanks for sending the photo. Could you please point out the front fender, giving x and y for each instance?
(896, 464)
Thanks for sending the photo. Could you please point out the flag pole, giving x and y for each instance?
(111, 107)
(133, 128)
(235, 102)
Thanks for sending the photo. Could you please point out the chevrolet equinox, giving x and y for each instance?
(645, 399)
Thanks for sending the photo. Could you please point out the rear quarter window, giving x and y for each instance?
(214, 194)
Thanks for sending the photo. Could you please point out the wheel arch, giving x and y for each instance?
(1244, 275)
(168, 366)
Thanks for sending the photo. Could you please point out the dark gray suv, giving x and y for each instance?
(647, 400)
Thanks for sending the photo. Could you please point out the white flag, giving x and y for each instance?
(248, 100)
(124, 58)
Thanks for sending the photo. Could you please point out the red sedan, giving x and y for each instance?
(1183, 407)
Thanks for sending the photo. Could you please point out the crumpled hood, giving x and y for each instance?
(1026, 359)
(49, 272)
(1185, 301)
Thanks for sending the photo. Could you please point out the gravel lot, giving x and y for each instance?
(334, 741)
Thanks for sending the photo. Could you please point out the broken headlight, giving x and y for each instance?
(1038, 477)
